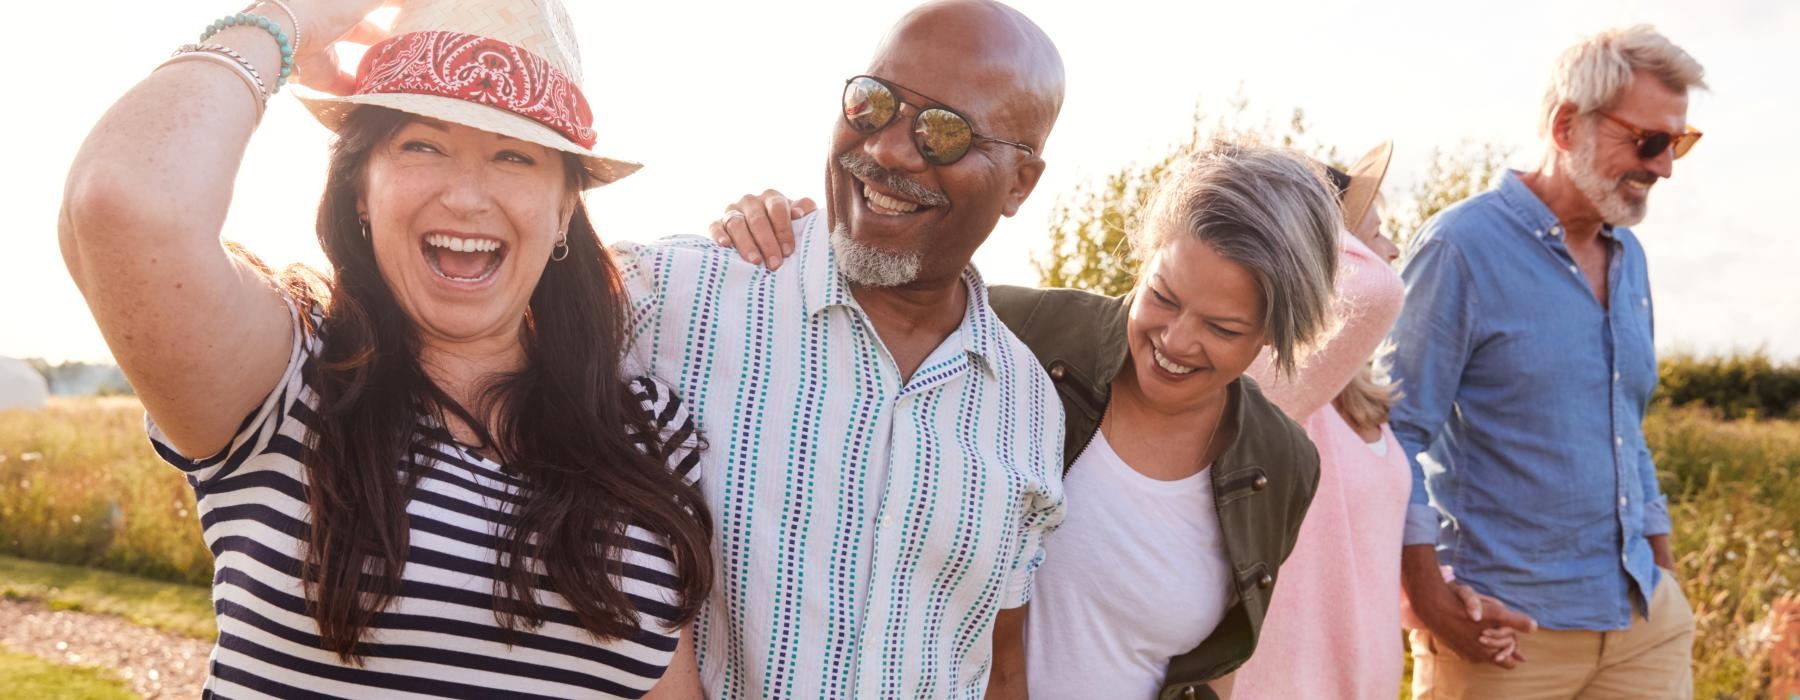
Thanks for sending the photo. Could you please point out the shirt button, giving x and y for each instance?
(1259, 483)
(1625, 559)
(1057, 372)
(1623, 501)
(1615, 377)
(887, 521)
(1555, 230)
(1575, 269)
(1619, 441)
(1266, 581)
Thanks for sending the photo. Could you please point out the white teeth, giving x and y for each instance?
(1168, 364)
(888, 203)
(463, 245)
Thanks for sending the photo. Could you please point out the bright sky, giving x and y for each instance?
(723, 98)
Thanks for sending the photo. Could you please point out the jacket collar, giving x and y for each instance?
(1114, 346)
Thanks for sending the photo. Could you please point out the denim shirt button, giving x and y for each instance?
(1623, 501)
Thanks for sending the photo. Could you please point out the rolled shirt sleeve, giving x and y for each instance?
(1656, 505)
(1430, 345)
(1042, 517)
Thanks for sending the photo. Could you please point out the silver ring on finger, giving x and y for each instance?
(733, 214)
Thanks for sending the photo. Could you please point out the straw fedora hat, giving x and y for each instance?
(510, 67)
(1365, 182)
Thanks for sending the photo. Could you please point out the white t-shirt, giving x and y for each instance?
(1136, 575)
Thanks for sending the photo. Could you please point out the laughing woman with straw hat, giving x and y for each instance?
(425, 473)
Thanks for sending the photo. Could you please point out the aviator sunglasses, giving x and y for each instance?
(1651, 144)
(941, 134)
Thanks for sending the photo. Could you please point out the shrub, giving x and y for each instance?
(1741, 385)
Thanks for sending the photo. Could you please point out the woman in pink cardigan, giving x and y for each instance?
(1333, 629)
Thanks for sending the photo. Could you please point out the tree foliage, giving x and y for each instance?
(1088, 227)
(1453, 175)
(1088, 246)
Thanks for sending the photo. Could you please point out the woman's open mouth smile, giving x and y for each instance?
(465, 261)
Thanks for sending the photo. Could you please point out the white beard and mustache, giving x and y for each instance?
(1603, 193)
(869, 266)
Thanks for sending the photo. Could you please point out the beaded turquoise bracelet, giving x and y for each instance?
(244, 19)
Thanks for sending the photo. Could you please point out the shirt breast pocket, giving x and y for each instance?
(1637, 344)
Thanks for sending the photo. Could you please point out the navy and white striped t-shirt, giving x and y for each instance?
(439, 637)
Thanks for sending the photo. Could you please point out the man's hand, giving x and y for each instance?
(1472, 626)
(1006, 677)
(1661, 552)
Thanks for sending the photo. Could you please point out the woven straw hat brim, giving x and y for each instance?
(332, 110)
(1365, 182)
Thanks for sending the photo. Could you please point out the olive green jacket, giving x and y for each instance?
(1262, 483)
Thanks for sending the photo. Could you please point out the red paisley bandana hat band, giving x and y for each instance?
(506, 67)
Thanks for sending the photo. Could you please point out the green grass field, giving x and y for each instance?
(27, 677)
(171, 607)
(80, 486)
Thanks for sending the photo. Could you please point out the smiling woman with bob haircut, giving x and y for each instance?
(425, 473)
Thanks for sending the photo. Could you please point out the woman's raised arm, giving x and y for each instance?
(202, 334)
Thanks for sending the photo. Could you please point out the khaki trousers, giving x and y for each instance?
(1652, 659)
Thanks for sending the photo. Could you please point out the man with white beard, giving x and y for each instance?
(1525, 361)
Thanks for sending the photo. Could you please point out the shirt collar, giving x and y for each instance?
(1522, 201)
(1537, 216)
(824, 287)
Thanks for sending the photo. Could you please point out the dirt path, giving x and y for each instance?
(153, 664)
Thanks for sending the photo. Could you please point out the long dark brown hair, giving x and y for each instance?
(566, 424)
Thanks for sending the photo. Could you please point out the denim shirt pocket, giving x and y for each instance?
(1637, 346)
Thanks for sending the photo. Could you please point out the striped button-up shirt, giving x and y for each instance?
(867, 529)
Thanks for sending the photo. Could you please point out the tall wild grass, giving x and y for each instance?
(80, 485)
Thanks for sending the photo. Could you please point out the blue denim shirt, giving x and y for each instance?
(1521, 410)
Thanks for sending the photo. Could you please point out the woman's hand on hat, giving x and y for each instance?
(327, 24)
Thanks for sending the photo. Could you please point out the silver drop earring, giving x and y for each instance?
(561, 250)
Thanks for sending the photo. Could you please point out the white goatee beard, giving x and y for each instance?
(869, 266)
(1602, 193)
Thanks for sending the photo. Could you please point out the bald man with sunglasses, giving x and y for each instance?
(1526, 360)
(884, 456)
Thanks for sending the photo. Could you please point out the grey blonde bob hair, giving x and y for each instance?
(1268, 209)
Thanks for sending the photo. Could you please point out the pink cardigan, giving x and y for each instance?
(1333, 625)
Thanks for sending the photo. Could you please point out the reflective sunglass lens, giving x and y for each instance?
(869, 105)
(1685, 143)
(942, 136)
